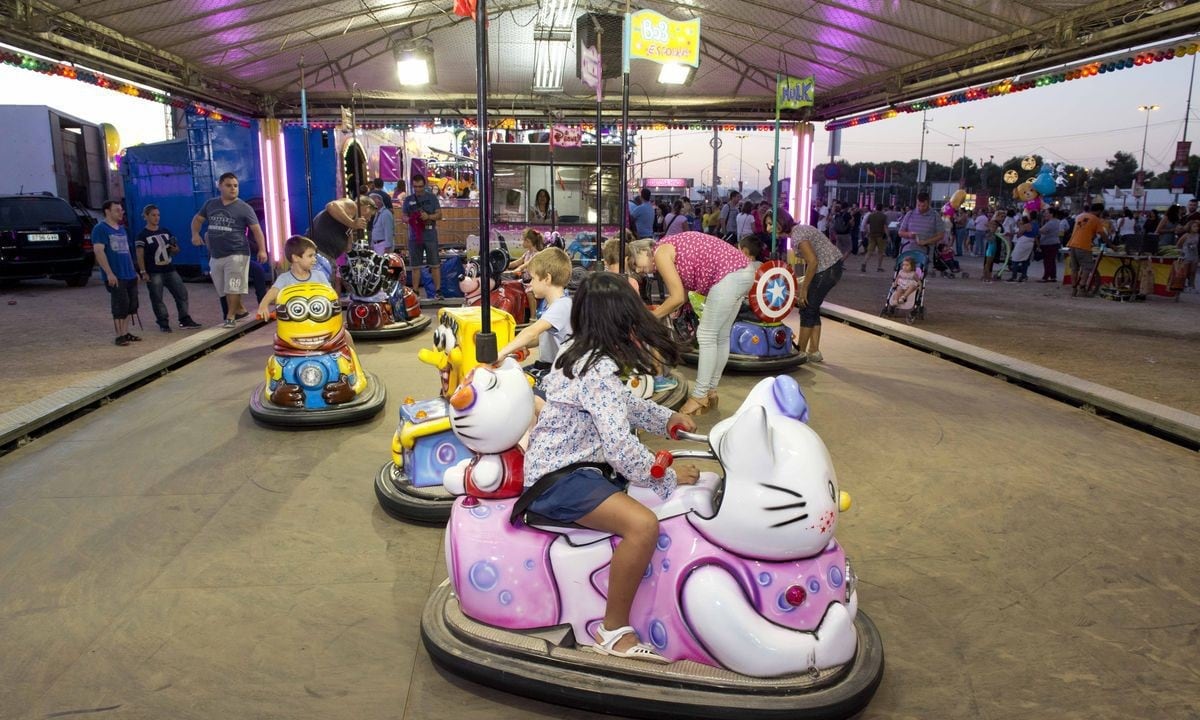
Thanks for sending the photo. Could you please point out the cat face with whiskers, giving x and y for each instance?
(492, 408)
(781, 494)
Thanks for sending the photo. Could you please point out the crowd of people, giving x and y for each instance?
(1016, 236)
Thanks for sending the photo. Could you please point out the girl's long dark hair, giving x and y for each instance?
(609, 319)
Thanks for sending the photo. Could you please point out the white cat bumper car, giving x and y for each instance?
(748, 594)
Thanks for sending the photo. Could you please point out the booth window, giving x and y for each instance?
(516, 188)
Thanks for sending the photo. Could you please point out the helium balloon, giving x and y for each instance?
(1029, 163)
(1044, 182)
(1010, 177)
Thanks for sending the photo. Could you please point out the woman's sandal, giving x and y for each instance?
(713, 400)
(700, 409)
(641, 651)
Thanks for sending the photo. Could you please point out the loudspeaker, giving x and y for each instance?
(613, 27)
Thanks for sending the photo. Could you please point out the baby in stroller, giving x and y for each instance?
(907, 288)
(945, 262)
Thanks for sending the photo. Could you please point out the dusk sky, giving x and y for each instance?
(1083, 122)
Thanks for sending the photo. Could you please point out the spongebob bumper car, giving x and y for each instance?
(409, 486)
(314, 377)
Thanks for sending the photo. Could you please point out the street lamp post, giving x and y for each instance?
(1142, 165)
(741, 172)
(962, 179)
(952, 146)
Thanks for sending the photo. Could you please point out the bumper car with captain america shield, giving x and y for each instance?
(748, 596)
(313, 377)
(759, 341)
(381, 306)
(409, 486)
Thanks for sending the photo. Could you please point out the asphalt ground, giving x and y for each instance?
(164, 555)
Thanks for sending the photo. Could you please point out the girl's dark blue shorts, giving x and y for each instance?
(575, 495)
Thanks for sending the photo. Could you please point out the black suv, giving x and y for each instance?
(42, 236)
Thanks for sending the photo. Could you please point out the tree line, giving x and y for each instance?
(1119, 171)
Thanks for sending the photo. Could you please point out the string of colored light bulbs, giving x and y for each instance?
(1005, 87)
(514, 124)
(49, 67)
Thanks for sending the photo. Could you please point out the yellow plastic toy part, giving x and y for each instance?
(409, 432)
(345, 367)
(465, 323)
(844, 501)
(311, 315)
(436, 358)
(397, 451)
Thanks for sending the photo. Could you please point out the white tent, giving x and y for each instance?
(1155, 199)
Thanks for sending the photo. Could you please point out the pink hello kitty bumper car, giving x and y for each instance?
(748, 594)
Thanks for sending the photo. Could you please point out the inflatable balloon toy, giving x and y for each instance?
(314, 377)
(954, 203)
(409, 485)
(1060, 175)
(381, 306)
(759, 341)
(1028, 195)
(1044, 183)
(749, 595)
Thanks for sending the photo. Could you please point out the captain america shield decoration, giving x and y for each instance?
(773, 292)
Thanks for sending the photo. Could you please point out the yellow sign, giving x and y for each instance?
(658, 38)
(794, 93)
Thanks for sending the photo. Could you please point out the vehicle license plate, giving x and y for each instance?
(42, 237)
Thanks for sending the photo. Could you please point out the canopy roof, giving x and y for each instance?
(245, 55)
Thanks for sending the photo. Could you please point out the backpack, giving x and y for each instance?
(841, 223)
(669, 222)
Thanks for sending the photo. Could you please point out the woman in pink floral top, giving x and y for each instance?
(697, 262)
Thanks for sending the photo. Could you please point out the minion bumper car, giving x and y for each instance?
(314, 377)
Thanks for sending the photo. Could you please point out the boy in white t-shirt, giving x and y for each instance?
(302, 256)
(549, 272)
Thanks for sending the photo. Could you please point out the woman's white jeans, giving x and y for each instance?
(720, 310)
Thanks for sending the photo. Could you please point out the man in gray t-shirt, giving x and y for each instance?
(921, 229)
(228, 218)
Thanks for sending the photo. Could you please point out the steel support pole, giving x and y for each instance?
(485, 339)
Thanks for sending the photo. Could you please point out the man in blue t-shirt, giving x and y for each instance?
(641, 210)
(111, 245)
(228, 219)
